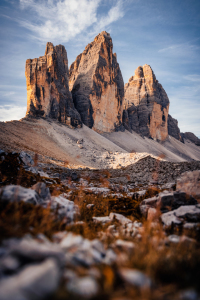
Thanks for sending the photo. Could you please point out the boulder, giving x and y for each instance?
(189, 182)
(147, 105)
(48, 92)
(33, 282)
(18, 193)
(191, 213)
(97, 86)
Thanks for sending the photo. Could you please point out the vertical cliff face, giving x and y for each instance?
(173, 128)
(48, 92)
(97, 85)
(146, 105)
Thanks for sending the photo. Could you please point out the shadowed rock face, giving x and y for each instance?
(191, 137)
(146, 105)
(173, 128)
(97, 87)
(48, 92)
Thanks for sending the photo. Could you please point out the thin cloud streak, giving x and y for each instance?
(63, 20)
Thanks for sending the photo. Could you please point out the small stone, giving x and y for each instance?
(71, 240)
(123, 220)
(152, 214)
(102, 220)
(84, 287)
(135, 278)
(174, 238)
(90, 205)
(121, 244)
(42, 190)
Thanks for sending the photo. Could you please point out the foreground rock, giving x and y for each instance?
(189, 182)
(146, 105)
(181, 215)
(33, 282)
(47, 87)
(97, 85)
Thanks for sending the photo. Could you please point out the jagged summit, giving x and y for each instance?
(146, 104)
(97, 86)
(48, 92)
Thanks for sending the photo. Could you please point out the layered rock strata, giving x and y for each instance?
(146, 105)
(48, 92)
(173, 128)
(97, 86)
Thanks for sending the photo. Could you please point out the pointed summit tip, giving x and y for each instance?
(49, 48)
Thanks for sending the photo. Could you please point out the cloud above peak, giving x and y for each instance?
(64, 19)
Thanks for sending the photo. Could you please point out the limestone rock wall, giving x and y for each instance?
(147, 105)
(48, 92)
(192, 137)
(97, 86)
(173, 128)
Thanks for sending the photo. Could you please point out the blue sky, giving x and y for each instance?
(163, 34)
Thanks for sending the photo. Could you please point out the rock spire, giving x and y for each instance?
(97, 86)
(146, 105)
(48, 92)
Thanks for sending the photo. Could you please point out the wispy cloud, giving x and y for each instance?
(193, 77)
(10, 112)
(64, 19)
(184, 49)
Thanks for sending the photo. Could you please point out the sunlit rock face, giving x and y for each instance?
(97, 86)
(146, 105)
(48, 92)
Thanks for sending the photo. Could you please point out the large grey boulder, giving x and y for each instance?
(33, 282)
(18, 193)
(33, 251)
(189, 213)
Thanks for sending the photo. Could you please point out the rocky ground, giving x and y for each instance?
(125, 233)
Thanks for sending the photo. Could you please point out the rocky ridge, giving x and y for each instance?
(97, 85)
(48, 92)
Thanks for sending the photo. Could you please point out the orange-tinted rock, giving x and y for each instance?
(147, 105)
(48, 92)
(97, 86)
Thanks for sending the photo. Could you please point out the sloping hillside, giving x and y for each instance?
(83, 147)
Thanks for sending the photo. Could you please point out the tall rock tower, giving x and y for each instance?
(48, 92)
(146, 105)
(97, 86)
